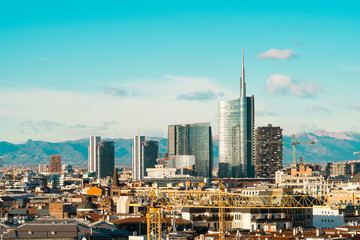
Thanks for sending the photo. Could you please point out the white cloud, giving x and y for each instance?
(27, 113)
(280, 54)
(203, 96)
(318, 109)
(280, 84)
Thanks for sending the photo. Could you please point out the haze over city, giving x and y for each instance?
(129, 67)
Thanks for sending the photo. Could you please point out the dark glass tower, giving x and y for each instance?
(106, 159)
(150, 151)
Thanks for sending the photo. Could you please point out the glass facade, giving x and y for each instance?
(150, 151)
(106, 159)
(193, 139)
(236, 131)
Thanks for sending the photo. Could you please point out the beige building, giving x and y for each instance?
(55, 164)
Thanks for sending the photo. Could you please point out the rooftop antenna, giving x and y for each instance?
(138, 129)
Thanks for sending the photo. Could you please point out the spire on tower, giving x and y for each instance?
(115, 181)
(242, 83)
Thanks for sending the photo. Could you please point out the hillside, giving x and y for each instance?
(329, 147)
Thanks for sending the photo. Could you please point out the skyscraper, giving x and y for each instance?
(137, 157)
(193, 139)
(55, 164)
(105, 159)
(236, 134)
(150, 150)
(144, 156)
(268, 151)
(92, 158)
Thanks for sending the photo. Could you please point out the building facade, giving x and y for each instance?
(106, 159)
(93, 153)
(137, 156)
(193, 139)
(269, 156)
(55, 164)
(43, 168)
(150, 150)
(236, 134)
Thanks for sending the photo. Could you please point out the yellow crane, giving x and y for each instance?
(158, 199)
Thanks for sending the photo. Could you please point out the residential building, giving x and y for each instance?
(93, 153)
(269, 146)
(43, 168)
(105, 159)
(336, 169)
(193, 139)
(302, 179)
(236, 134)
(55, 164)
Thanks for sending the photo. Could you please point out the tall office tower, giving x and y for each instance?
(55, 164)
(193, 139)
(92, 157)
(105, 159)
(236, 134)
(150, 152)
(137, 157)
(269, 154)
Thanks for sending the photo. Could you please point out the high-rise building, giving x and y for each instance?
(150, 150)
(105, 159)
(55, 164)
(269, 153)
(137, 157)
(92, 157)
(236, 134)
(144, 156)
(193, 139)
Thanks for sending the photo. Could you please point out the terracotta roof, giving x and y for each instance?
(355, 178)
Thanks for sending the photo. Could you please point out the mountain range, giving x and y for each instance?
(329, 147)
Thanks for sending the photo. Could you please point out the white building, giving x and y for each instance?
(313, 185)
(93, 153)
(261, 219)
(161, 172)
(325, 217)
(137, 157)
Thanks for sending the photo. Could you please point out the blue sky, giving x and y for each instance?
(129, 66)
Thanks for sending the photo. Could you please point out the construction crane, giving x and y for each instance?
(352, 163)
(294, 143)
(157, 199)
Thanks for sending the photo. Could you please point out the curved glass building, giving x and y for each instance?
(236, 134)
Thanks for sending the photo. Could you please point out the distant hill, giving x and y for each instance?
(329, 147)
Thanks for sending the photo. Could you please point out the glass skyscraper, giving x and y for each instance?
(106, 159)
(236, 134)
(193, 139)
